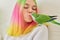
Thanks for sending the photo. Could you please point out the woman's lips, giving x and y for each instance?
(30, 16)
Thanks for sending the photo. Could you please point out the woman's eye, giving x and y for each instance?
(26, 7)
(34, 8)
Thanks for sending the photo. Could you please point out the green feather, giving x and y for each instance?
(55, 22)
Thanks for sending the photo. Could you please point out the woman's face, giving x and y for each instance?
(28, 9)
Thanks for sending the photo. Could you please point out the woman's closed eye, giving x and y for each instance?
(26, 6)
(34, 8)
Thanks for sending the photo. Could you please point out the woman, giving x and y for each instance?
(22, 26)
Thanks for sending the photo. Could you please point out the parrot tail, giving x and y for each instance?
(55, 22)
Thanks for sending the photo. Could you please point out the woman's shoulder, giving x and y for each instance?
(41, 27)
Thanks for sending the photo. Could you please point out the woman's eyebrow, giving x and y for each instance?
(34, 6)
(26, 4)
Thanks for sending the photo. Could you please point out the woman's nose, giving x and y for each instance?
(30, 10)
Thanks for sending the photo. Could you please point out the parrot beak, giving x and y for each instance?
(32, 17)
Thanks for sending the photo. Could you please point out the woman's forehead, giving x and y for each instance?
(30, 2)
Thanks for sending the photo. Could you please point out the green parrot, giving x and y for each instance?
(42, 18)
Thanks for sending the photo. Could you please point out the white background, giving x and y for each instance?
(6, 9)
(51, 7)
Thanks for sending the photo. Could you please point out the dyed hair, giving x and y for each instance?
(17, 26)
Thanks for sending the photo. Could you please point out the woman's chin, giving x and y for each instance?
(28, 20)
